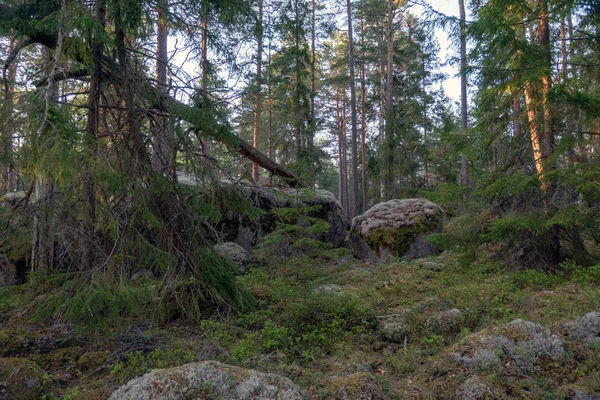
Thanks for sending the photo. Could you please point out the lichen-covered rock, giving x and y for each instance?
(585, 329)
(207, 381)
(358, 386)
(445, 322)
(515, 349)
(396, 228)
(234, 252)
(20, 379)
(235, 227)
(392, 328)
(474, 388)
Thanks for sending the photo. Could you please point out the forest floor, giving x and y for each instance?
(425, 328)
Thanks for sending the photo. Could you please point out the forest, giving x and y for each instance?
(279, 199)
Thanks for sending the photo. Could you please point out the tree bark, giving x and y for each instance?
(258, 96)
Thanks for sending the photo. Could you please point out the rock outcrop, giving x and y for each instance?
(246, 232)
(396, 228)
(208, 380)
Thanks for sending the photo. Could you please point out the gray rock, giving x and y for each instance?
(516, 350)
(208, 380)
(585, 329)
(579, 395)
(396, 228)
(474, 388)
(392, 328)
(234, 252)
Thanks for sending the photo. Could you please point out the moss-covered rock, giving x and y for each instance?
(20, 379)
(92, 360)
(209, 380)
(396, 228)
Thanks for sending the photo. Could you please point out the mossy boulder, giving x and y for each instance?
(92, 360)
(20, 379)
(236, 226)
(208, 380)
(396, 228)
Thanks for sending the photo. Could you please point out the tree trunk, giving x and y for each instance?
(93, 119)
(163, 156)
(463, 90)
(355, 209)
(42, 250)
(258, 97)
(204, 65)
(389, 120)
(517, 130)
(363, 125)
(7, 132)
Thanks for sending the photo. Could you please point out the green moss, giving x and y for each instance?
(22, 379)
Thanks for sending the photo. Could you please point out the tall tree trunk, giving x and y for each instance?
(204, 65)
(355, 209)
(339, 128)
(548, 185)
(363, 124)
(463, 90)
(93, 120)
(7, 178)
(542, 129)
(258, 97)
(517, 130)
(389, 120)
(313, 86)
(270, 111)
(42, 249)
(163, 156)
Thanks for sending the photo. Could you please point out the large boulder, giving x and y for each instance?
(396, 228)
(208, 380)
(248, 233)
